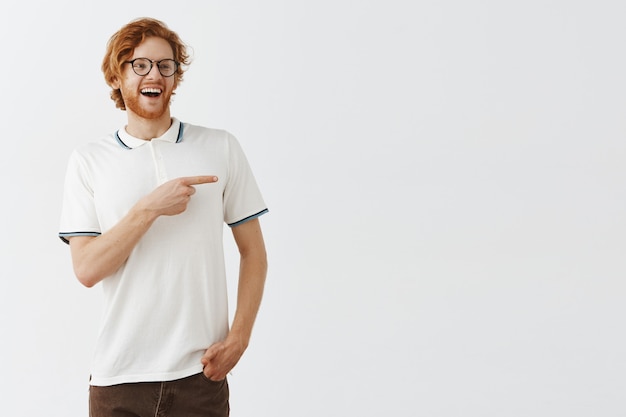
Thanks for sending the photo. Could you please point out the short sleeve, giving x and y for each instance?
(78, 213)
(242, 198)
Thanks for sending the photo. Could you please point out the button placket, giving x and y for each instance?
(159, 162)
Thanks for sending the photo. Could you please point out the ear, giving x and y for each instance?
(115, 83)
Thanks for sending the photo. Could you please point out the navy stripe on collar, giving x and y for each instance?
(119, 140)
(179, 138)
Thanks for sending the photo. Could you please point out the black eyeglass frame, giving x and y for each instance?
(158, 63)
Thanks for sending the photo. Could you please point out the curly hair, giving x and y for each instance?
(122, 44)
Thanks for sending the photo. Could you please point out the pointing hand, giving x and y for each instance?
(172, 197)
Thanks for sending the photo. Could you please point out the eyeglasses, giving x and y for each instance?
(142, 66)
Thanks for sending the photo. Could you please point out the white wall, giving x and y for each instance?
(446, 187)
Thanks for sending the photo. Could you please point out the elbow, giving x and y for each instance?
(86, 277)
(86, 265)
(86, 282)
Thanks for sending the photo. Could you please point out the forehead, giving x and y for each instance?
(154, 48)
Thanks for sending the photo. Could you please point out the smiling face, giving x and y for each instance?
(148, 96)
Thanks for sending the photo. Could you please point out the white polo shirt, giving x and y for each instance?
(167, 304)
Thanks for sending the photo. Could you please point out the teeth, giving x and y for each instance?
(151, 90)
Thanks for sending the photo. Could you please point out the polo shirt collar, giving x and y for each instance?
(173, 135)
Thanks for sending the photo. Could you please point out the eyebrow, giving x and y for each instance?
(154, 60)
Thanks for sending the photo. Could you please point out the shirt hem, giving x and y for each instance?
(127, 379)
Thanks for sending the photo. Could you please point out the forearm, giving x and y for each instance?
(252, 274)
(96, 258)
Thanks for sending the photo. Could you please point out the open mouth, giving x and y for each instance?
(151, 92)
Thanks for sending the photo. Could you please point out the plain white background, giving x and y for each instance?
(446, 190)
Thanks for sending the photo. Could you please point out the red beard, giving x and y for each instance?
(132, 102)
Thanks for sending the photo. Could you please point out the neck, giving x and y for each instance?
(148, 129)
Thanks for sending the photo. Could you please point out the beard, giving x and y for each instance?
(132, 102)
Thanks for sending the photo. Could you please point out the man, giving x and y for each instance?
(143, 213)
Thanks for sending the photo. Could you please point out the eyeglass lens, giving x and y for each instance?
(142, 66)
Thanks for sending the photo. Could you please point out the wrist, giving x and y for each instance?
(142, 215)
(238, 338)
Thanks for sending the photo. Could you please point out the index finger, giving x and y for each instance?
(199, 179)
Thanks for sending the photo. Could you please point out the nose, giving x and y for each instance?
(154, 71)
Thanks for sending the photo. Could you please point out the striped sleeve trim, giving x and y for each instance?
(64, 236)
(254, 216)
